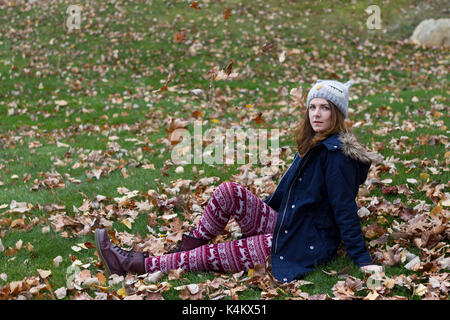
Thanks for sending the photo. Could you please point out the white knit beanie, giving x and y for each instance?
(331, 90)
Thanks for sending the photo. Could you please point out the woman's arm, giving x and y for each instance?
(342, 187)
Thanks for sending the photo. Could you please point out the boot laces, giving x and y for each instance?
(127, 253)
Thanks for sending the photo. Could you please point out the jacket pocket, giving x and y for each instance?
(324, 235)
(314, 244)
(327, 234)
(324, 221)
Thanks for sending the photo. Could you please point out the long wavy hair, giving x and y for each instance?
(306, 137)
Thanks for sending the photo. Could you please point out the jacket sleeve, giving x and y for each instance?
(342, 187)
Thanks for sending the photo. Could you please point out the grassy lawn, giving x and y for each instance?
(82, 116)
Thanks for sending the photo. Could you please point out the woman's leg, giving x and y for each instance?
(236, 255)
(231, 199)
(256, 219)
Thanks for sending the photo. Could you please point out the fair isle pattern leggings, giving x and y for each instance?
(256, 220)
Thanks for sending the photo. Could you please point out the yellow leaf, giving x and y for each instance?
(102, 287)
(127, 223)
(389, 283)
(101, 278)
(215, 120)
(248, 106)
(122, 292)
(435, 211)
(250, 273)
(282, 291)
(424, 176)
(17, 222)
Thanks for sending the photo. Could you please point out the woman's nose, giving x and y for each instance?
(316, 112)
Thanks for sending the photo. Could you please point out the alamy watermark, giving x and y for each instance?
(73, 20)
(374, 20)
(222, 145)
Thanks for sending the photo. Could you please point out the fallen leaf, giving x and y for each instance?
(61, 293)
(57, 261)
(44, 273)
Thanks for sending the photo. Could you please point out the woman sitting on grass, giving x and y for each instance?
(299, 226)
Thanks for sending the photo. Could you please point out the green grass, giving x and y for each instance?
(82, 69)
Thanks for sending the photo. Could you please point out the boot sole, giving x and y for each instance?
(97, 246)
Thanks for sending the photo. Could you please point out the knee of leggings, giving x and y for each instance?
(231, 185)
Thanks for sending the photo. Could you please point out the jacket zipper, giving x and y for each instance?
(289, 195)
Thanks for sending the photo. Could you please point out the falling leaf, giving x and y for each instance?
(194, 5)
(227, 14)
(229, 67)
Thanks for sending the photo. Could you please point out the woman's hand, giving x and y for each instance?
(372, 268)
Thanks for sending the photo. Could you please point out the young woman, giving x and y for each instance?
(299, 226)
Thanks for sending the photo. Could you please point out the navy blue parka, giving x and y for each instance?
(316, 206)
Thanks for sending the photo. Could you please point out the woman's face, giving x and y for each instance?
(319, 112)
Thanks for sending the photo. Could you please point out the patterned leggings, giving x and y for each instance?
(256, 220)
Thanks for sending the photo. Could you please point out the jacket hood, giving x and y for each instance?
(350, 146)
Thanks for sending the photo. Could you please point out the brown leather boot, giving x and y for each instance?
(117, 260)
(188, 243)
